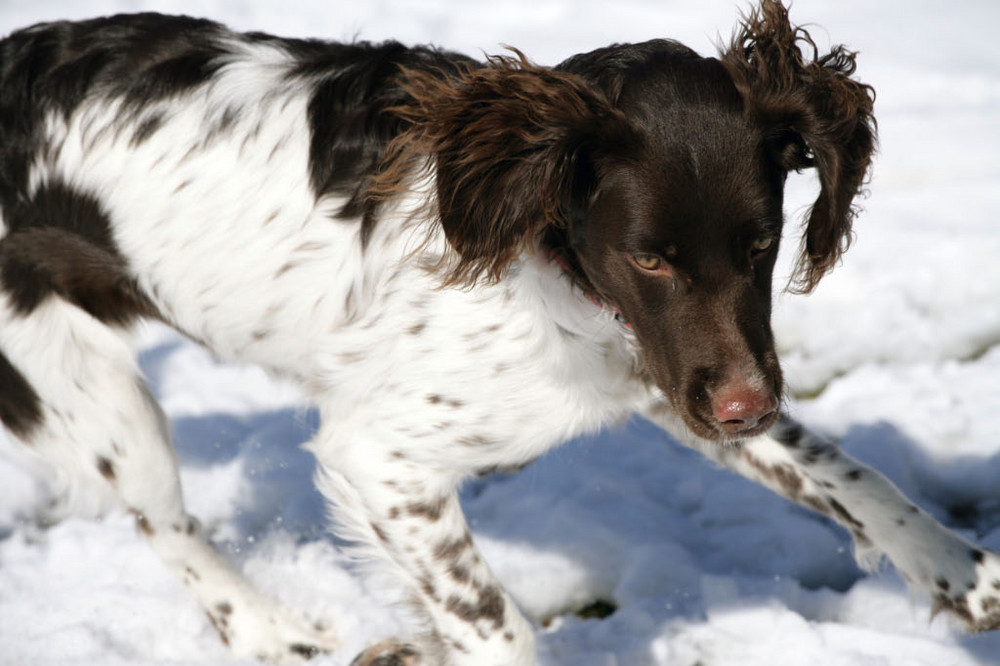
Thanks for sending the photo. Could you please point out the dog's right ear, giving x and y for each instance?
(510, 145)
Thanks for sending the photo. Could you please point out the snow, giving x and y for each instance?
(898, 353)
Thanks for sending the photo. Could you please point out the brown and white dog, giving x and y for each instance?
(463, 263)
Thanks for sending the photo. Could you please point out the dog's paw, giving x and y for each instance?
(389, 653)
(274, 636)
(975, 602)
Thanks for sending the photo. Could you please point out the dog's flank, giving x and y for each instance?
(463, 263)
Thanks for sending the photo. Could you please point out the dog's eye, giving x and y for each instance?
(762, 244)
(647, 262)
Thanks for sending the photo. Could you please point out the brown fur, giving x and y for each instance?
(508, 134)
(509, 142)
(821, 117)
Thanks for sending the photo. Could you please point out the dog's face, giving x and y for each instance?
(660, 175)
(681, 235)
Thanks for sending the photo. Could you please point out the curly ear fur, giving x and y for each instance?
(818, 115)
(507, 142)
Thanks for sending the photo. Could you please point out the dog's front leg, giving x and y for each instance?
(407, 514)
(962, 578)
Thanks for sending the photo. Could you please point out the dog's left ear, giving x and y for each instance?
(511, 146)
(816, 116)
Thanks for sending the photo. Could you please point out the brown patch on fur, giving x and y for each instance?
(427, 587)
(845, 516)
(380, 533)
(816, 504)
(40, 262)
(142, 523)
(388, 653)
(106, 468)
(304, 651)
(60, 243)
(448, 551)
(958, 607)
(783, 475)
(489, 606)
(429, 510)
(20, 406)
(459, 573)
(220, 627)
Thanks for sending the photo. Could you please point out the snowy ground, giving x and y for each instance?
(898, 352)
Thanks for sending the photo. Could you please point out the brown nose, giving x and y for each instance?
(738, 407)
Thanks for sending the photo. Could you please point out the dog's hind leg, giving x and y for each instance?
(72, 391)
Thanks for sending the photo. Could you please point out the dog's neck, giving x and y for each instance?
(562, 255)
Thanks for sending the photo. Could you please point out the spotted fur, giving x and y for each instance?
(464, 264)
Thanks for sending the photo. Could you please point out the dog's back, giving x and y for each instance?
(209, 143)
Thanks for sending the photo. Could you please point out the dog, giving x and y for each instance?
(463, 263)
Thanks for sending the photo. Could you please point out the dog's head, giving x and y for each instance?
(659, 175)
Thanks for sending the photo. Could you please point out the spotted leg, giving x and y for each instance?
(961, 577)
(407, 515)
(81, 403)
